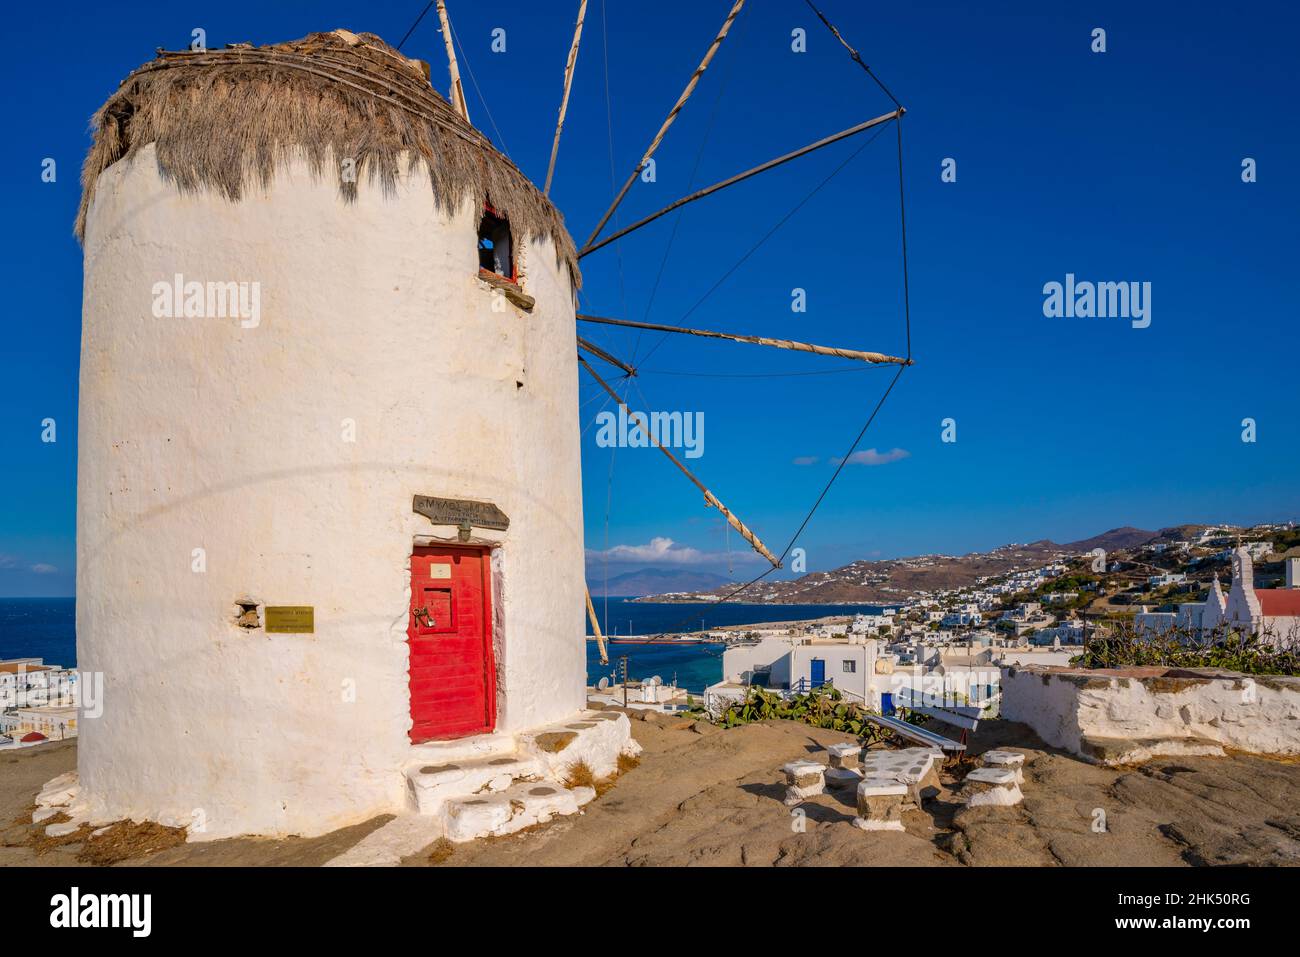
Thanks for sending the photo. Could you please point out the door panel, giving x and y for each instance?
(452, 673)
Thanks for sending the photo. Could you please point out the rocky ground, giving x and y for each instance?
(716, 798)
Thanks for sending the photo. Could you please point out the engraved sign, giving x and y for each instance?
(291, 619)
(460, 511)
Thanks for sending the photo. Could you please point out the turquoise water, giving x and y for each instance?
(46, 628)
(694, 666)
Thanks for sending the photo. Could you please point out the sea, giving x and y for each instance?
(46, 628)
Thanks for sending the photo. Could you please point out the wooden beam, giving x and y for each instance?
(564, 100)
(595, 627)
(457, 97)
(709, 497)
(597, 351)
(672, 115)
(740, 177)
(859, 355)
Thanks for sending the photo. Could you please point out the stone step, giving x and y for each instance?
(430, 786)
(492, 814)
(462, 749)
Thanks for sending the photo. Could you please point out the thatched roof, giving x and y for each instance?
(225, 119)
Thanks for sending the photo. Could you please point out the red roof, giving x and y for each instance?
(32, 736)
(1279, 602)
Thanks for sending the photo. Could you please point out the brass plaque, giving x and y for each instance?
(460, 511)
(291, 619)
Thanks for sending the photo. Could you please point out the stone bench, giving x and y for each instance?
(844, 765)
(803, 779)
(917, 768)
(991, 787)
(880, 804)
(1012, 761)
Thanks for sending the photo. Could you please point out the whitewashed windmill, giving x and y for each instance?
(329, 517)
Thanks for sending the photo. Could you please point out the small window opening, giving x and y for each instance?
(246, 614)
(850, 667)
(495, 245)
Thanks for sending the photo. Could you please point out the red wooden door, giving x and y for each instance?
(453, 677)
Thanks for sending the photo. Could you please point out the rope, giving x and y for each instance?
(427, 8)
(854, 55)
(766, 236)
(672, 116)
(906, 309)
(486, 109)
(677, 220)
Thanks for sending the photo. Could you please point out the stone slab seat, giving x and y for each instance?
(991, 787)
(917, 768)
(511, 810)
(804, 779)
(429, 786)
(1013, 761)
(880, 804)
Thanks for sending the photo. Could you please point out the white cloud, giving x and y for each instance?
(42, 569)
(806, 460)
(663, 551)
(875, 457)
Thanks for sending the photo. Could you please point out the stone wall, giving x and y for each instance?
(1126, 715)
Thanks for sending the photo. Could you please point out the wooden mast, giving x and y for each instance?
(709, 497)
(564, 100)
(672, 115)
(595, 627)
(859, 355)
(457, 97)
(741, 177)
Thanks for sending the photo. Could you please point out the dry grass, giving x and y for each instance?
(41, 843)
(126, 840)
(579, 775)
(121, 841)
(441, 850)
(626, 762)
(228, 119)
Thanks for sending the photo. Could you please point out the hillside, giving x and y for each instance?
(895, 580)
(653, 581)
(1116, 538)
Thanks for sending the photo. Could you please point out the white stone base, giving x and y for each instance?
(495, 784)
(512, 810)
(869, 825)
(991, 787)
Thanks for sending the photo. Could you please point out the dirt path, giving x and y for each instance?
(715, 798)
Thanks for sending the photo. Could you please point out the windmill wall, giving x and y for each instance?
(276, 462)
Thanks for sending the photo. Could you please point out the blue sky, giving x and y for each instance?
(1122, 166)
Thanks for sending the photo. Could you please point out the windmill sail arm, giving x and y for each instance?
(709, 497)
(672, 116)
(564, 100)
(600, 353)
(741, 177)
(857, 354)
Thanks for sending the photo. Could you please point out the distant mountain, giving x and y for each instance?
(656, 581)
(896, 580)
(1126, 537)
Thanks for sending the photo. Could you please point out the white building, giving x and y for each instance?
(1272, 612)
(329, 515)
